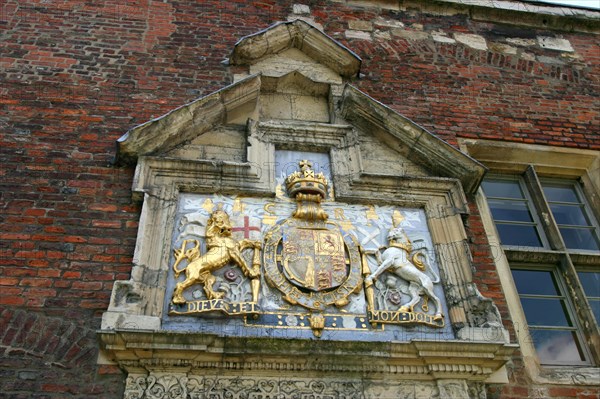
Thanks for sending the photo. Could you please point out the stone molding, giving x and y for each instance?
(416, 143)
(520, 13)
(182, 386)
(163, 362)
(303, 36)
(144, 352)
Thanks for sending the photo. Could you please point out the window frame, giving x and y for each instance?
(545, 244)
(587, 210)
(570, 311)
(532, 184)
(580, 165)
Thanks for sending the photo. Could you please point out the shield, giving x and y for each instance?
(314, 259)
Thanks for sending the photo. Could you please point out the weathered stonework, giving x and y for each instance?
(294, 101)
(76, 75)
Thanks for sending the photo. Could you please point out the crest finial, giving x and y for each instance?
(306, 181)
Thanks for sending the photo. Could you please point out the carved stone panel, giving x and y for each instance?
(175, 386)
(308, 273)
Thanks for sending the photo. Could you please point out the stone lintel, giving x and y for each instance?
(470, 360)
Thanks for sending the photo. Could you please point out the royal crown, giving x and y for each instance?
(306, 181)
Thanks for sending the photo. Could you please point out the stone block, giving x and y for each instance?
(300, 9)
(410, 34)
(441, 37)
(357, 34)
(382, 35)
(123, 321)
(528, 56)
(366, 26)
(550, 60)
(555, 43)
(388, 23)
(471, 40)
(483, 334)
(503, 48)
(517, 41)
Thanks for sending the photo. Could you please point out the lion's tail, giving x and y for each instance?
(180, 255)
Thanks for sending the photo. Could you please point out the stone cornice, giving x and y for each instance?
(188, 121)
(520, 13)
(139, 351)
(418, 145)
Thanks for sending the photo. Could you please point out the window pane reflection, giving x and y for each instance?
(559, 193)
(535, 282)
(546, 312)
(556, 347)
(569, 214)
(510, 210)
(502, 189)
(591, 283)
(579, 238)
(518, 235)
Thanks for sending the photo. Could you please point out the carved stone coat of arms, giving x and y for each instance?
(303, 261)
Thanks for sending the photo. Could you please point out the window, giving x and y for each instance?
(590, 281)
(573, 219)
(546, 227)
(553, 329)
(511, 209)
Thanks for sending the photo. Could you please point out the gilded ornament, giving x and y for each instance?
(401, 261)
(306, 256)
(222, 250)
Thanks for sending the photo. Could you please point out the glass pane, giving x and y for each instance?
(569, 214)
(510, 210)
(535, 282)
(555, 347)
(286, 162)
(546, 312)
(502, 188)
(590, 282)
(518, 235)
(579, 238)
(560, 193)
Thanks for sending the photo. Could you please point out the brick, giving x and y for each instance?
(569, 392)
(71, 83)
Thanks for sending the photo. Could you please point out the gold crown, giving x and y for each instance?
(306, 181)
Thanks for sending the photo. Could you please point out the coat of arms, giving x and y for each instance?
(310, 266)
(307, 257)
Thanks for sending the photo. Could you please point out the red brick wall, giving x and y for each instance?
(77, 75)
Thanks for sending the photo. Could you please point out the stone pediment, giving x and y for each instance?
(189, 121)
(296, 75)
(222, 172)
(216, 127)
(295, 45)
(410, 140)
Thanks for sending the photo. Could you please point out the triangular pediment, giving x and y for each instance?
(217, 127)
(410, 140)
(190, 120)
(296, 41)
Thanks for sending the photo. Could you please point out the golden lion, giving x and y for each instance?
(221, 250)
